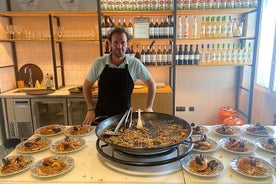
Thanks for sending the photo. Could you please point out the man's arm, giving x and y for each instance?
(151, 94)
(90, 115)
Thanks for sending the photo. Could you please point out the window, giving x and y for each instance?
(266, 69)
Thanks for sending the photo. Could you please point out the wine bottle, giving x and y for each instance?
(170, 56)
(202, 54)
(179, 27)
(176, 55)
(106, 52)
(180, 55)
(143, 55)
(153, 56)
(186, 27)
(186, 55)
(103, 29)
(147, 62)
(208, 54)
(171, 32)
(167, 28)
(124, 24)
(191, 55)
(130, 28)
(107, 26)
(164, 56)
(202, 28)
(151, 29)
(131, 52)
(159, 56)
(162, 28)
(137, 53)
(156, 29)
(194, 32)
(197, 55)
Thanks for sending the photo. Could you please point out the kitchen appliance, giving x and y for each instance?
(18, 119)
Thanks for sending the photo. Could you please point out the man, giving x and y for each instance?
(116, 74)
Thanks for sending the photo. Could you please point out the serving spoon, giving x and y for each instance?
(115, 132)
(140, 122)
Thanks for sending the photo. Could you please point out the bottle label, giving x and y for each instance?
(193, 5)
(186, 5)
(146, 4)
(110, 4)
(143, 58)
(103, 5)
(132, 5)
(208, 4)
(162, 5)
(201, 4)
(169, 5)
(153, 4)
(117, 4)
(140, 4)
(164, 58)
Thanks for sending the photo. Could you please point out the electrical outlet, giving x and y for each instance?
(180, 108)
(191, 108)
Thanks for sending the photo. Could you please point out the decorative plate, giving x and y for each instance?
(35, 170)
(273, 160)
(79, 144)
(269, 130)
(215, 145)
(260, 143)
(203, 129)
(252, 147)
(237, 131)
(34, 145)
(79, 130)
(234, 165)
(50, 130)
(186, 161)
(29, 161)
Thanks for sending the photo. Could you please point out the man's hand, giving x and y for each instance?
(89, 118)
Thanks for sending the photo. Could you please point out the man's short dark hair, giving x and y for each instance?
(119, 30)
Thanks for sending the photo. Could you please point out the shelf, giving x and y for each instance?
(213, 64)
(10, 40)
(223, 38)
(45, 14)
(216, 11)
(76, 40)
(136, 13)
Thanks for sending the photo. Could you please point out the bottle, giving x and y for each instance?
(154, 4)
(164, 56)
(156, 29)
(218, 28)
(187, 4)
(223, 54)
(153, 56)
(130, 28)
(159, 56)
(107, 26)
(202, 54)
(249, 54)
(230, 27)
(229, 54)
(162, 28)
(186, 27)
(179, 5)
(151, 29)
(239, 53)
(194, 4)
(218, 54)
(213, 54)
(106, 52)
(202, 28)
(161, 5)
(208, 54)
(245, 4)
(237, 3)
(230, 4)
(180, 55)
(208, 28)
(176, 56)
(48, 81)
(171, 31)
(103, 5)
(124, 24)
(143, 55)
(201, 4)
(146, 5)
(131, 52)
(213, 28)
(179, 27)
(216, 4)
(223, 27)
(140, 5)
(113, 25)
(186, 55)
(197, 55)
(253, 3)
(148, 56)
(110, 5)
(208, 4)
(132, 5)
(137, 53)
(125, 5)
(119, 23)
(191, 55)
(169, 55)
(222, 4)
(103, 29)
(167, 28)
(117, 5)
(234, 54)
(194, 32)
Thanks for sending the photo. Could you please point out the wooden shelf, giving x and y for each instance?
(136, 13)
(216, 11)
(222, 38)
(46, 14)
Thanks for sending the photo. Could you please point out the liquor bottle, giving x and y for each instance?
(131, 52)
(215, 4)
(167, 28)
(218, 28)
(234, 54)
(171, 27)
(237, 3)
(187, 4)
(208, 28)
(179, 27)
(223, 54)
(143, 55)
(230, 27)
(159, 56)
(194, 4)
(147, 56)
(197, 55)
(107, 26)
(170, 56)
(223, 28)
(103, 29)
(191, 55)
(201, 4)
(156, 29)
(153, 56)
(186, 55)
(186, 27)
(130, 28)
(213, 27)
(218, 54)
(202, 28)
(208, 4)
(180, 55)
(106, 52)
(229, 54)
(137, 53)
(213, 54)
(194, 32)
(222, 4)
(124, 24)
(208, 54)
(151, 29)
(164, 56)
(230, 4)
(202, 54)
(162, 28)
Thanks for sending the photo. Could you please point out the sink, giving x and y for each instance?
(35, 91)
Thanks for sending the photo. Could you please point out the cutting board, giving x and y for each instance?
(36, 74)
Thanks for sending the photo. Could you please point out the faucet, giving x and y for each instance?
(30, 76)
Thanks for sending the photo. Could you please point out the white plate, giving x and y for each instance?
(81, 142)
(38, 131)
(215, 145)
(273, 160)
(203, 128)
(160, 85)
(68, 131)
(136, 86)
(67, 159)
(252, 147)
(187, 159)
(269, 130)
(27, 157)
(259, 142)
(20, 146)
(234, 165)
(238, 131)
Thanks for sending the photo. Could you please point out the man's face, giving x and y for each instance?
(119, 44)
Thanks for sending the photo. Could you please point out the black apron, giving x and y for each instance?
(115, 87)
